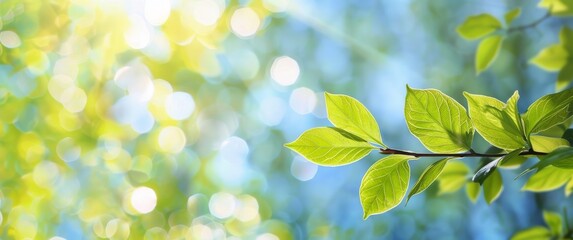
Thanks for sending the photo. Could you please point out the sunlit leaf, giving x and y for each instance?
(511, 15)
(349, 114)
(566, 38)
(561, 158)
(560, 8)
(553, 220)
(492, 187)
(548, 179)
(498, 123)
(453, 177)
(569, 187)
(478, 26)
(428, 177)
(551, 58)
(330, 146)
(384, 185)
(472, 190)
(532, 233)
(487, 52)
(438, 121)
(548, 111)
(547, 144)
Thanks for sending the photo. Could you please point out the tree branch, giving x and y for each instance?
(470, 153)
(530, 25)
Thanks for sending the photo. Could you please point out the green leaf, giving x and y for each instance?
(330, 146)
(561, 8)
(512, 162)
(498, 123)
(349, 114)
(428, 177)
(533, 233)
(487, 52)
(453, 177)
(481, 175)
(565, 76)
(548, 179)
(569, 188)
(492, 187)
(561, 158)
(384, 185)
(551, 58)
(547, 144)
(512, 15)
(438, 121)
(548, 111)
(477, 26)
(566, 38)
(472, 190)
(553, 220)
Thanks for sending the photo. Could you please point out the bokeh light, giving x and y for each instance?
(285, 71)
(143, 199)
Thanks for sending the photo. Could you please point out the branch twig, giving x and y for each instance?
(471, 153)
(530, 25)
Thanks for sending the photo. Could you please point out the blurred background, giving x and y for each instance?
(158, 119)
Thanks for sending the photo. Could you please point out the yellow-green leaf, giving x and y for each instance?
(560, 158)
(551, 58)
(330, 146)
(349, 114)
(566, 38)
(487, 51)
(548, 179)
(498, 123)
(429, 175)
(453, 177)
(477, 26)
(553, 220)
(512, 15)
(569, 187)
(532, 233)
(384, 185)
(492, 187)
(548, 111)
(472, 190)
(547, 144)
(438, 121)
(561, 8)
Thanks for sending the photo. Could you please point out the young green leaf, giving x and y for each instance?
(553, 220)
(533, 233)
(551, 58)
(492, 187)
(548, 179)
(487, 52)
(477, 26)
(498, 123)
(561, 8)
(350, 115)
(428, 177)
(511, 15)
(547, 144)
(330, 146)
(472, 190)
(438, 121)
(453, 177)
(384, 185)
(548, 111)
(566, 38)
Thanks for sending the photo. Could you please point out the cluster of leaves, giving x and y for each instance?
(553, 58)
(445, 128)
(554, 229)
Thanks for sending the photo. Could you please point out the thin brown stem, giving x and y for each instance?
(530, 25)
(470, 153)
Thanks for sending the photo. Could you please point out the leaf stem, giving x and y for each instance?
(530, 25)
(470, 153)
